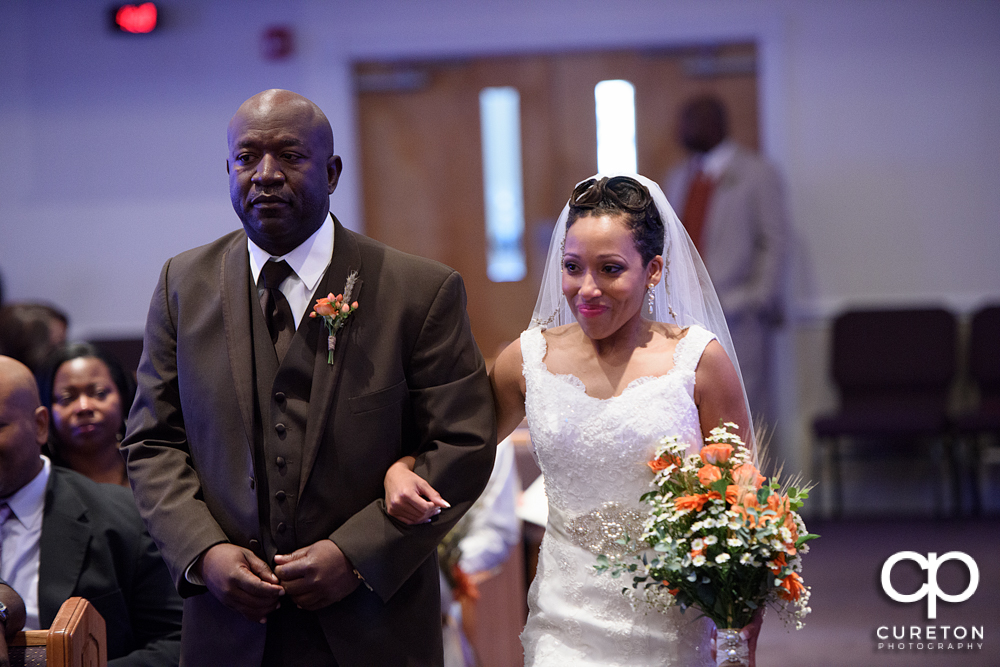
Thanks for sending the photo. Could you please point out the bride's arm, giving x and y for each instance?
(718, 393)
(508, 389)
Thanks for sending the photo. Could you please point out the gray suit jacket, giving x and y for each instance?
(94, 545)
(407, 379)
(745, 236)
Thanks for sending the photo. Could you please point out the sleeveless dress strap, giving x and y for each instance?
(532, 349)
(691, 347)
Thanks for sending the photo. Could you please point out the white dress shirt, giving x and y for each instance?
(22, 534)
(309, 262)
(715, 162)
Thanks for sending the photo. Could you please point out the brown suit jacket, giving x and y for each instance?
(407, 379)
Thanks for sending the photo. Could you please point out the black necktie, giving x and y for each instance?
(277, 312)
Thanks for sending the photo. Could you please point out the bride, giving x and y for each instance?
(627, 344)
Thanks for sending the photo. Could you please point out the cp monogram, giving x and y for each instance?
(930, 589)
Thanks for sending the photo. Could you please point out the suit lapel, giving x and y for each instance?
(346, 258)
(235, 282)
(62, 548)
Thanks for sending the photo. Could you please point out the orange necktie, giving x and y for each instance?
(696, 206)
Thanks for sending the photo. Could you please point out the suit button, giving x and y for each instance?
(253, 483)
(280, 428)
(279, 397)
(254, 545)
(280, 461)
(280, 495)
(281, 527)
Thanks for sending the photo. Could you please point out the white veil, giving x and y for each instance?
(684, 296)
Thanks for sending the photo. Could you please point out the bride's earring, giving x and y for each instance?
(650, 299)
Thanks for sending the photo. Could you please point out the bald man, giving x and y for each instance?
(66, 536)
(259, 439)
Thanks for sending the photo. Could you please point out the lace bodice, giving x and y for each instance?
(592, 454)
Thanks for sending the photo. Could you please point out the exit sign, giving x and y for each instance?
(135, 19)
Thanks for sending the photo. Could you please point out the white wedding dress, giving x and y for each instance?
(593, 454)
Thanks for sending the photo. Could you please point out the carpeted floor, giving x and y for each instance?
(849, 606)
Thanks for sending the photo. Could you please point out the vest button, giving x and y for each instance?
(280, 495)
(280, 461)
(254, 545)
(253, 484)
(281, 527)
(279, 397)
(280, 428)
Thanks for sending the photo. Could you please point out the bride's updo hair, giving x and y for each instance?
(626, 198)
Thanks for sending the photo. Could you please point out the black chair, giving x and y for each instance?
(981, 426)
(894, 370)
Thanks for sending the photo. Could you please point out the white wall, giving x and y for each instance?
(881, 114)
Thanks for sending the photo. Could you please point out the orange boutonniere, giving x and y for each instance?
(335, 310)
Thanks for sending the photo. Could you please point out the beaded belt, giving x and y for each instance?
(599, 530)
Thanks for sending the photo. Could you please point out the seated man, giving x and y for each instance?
(11, 618)
(62, 535)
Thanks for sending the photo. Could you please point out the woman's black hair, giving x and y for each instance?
(624, 197)
(46, 378)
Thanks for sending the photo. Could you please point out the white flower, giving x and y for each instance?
(745, 558)
(697, 544)
(734, 542)
(698, 560)
(710, 540)
(721, 558)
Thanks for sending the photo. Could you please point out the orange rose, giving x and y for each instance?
(323, 307)
(664, 462)
(695, 502)
(747, 475)
(716, 453)
(708, 474)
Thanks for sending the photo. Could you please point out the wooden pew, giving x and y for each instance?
(77, 638)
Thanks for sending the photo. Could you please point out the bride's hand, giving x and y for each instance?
(408, 496)
(750, 632)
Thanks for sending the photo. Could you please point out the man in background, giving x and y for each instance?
(63, 536)
(730, 201)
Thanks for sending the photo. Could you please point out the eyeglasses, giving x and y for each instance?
(622, 191)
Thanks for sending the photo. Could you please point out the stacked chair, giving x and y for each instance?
(894, 370)
(980, 427)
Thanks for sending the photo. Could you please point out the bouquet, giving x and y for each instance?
(724, 539)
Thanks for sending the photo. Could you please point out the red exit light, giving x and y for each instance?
(136, 19)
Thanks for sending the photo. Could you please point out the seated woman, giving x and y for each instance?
(88, 395)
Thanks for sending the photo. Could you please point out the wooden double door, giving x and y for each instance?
(422, 158)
